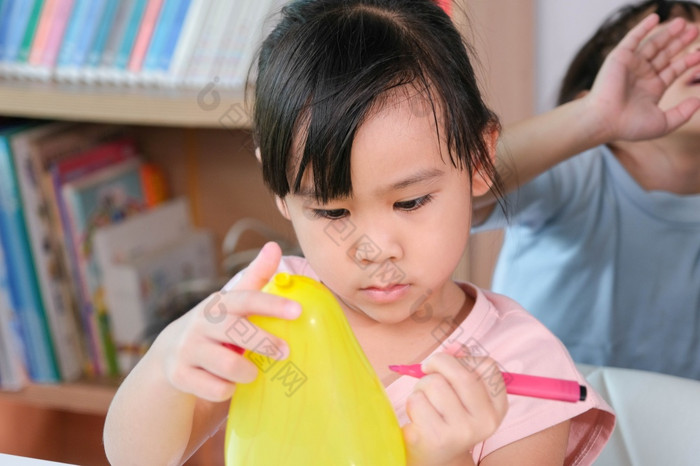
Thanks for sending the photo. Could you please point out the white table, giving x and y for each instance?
(11, 460)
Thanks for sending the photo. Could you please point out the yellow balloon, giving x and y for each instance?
(324, 405)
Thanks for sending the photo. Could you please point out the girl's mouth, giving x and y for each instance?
(386, 294)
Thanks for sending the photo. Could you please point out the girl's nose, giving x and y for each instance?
(375, 246)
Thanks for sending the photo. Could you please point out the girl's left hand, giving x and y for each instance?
(459, 403)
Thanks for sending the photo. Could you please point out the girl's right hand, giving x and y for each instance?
(193, 348)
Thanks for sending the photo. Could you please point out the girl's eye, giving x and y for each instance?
(413, 204)
(332, 214)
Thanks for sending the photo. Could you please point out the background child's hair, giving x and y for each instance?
(329, 63)
(586, 63)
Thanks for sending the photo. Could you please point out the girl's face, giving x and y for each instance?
(390, 248)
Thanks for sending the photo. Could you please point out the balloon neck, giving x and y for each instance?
(283, 280)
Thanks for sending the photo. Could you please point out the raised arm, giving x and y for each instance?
(622, 105)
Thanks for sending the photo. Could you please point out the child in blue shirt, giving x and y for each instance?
(603, 245)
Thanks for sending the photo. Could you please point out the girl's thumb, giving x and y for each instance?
(263, 267)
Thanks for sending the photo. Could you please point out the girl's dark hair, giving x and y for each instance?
(328, 63)
(585, 65)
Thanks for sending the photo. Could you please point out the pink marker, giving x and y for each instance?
(519, 384)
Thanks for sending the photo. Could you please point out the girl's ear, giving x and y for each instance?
(257, 155)
(282, 207)
(481, 183)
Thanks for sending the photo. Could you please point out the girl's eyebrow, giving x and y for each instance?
(420, 177)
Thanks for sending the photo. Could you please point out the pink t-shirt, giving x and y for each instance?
(500, 328)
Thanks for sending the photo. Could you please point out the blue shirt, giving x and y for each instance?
(613, 270)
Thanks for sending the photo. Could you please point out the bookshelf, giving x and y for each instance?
(203, 143)
(128, 105)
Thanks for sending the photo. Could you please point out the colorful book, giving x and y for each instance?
(115, 38)
(104, 26)
(13, 32)
(12, 352)
(24, 288)
(68, 169)
(101, 198)
(31, 31)
(57, 29)
(46, 19)
(145, 33)
(5, 13)
(160, 32)
(171, 39)
(65, 141)
(56, 293)
(76, 38)
(124, 51)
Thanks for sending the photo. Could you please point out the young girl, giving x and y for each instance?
(604, 248)
(374, 137)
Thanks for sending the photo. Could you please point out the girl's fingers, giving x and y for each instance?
(444, 399)
(210, 387)
(224, 363)
(225, 319)
(421, 412)
(261, 269)
(476, 381)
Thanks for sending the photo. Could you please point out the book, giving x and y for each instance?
(11, 35)
(70, 65)
(5, 14)
(145, 33)
(106, 196)
(46, 153)
(19, 67)
(41, 36)
(57, 28)
(138, 236)
(192, 28)
(171, 39)
(53, 282)
(138, 290)
(24, 288)
(31, 30)
(161, 29)
(230, 51)
(213, 34)
(13, 373)
(118, 70)
(104, 27)
(78, 33)
(114, 38)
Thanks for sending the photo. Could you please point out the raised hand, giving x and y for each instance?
(635, 75)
